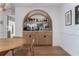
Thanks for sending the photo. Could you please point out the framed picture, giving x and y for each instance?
(77, 14)
(68, 18)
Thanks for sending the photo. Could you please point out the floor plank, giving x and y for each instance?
(49, 51)
(43, 51)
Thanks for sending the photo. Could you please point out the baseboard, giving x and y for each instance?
(66, 51)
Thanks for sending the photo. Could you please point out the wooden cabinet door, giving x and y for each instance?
(28, 36)
(45, 38)
(36, 34)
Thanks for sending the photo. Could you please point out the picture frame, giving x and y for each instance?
(77, 14)
(68, 18)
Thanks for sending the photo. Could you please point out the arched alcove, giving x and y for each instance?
(37, 23)
(40, 17)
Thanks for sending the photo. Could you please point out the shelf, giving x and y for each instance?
(36, 22)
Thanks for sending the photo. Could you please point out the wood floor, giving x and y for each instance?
(50, 51)
(45, 51)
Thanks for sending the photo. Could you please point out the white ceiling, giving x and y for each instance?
(36, 4)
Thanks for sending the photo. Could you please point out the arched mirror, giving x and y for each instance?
(37, 20)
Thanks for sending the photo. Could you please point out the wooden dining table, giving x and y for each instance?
(8, 44)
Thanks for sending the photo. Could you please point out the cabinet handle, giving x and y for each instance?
(29, 35)
(44, 36)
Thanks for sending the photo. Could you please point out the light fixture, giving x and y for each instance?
(4, 6)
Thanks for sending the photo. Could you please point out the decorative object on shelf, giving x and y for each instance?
(77, 14)
(68, 18)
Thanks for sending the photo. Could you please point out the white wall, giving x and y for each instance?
(1, 25)
(54, 13)
(5, 14)
(70, 34)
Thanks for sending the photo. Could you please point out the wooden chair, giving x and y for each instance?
(32, 47)
(3, 53)
(24, 51)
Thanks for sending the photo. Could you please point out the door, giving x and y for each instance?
(45, 38)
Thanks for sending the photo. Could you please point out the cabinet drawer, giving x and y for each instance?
(28, 36)
(41, 37)
(45, 38)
